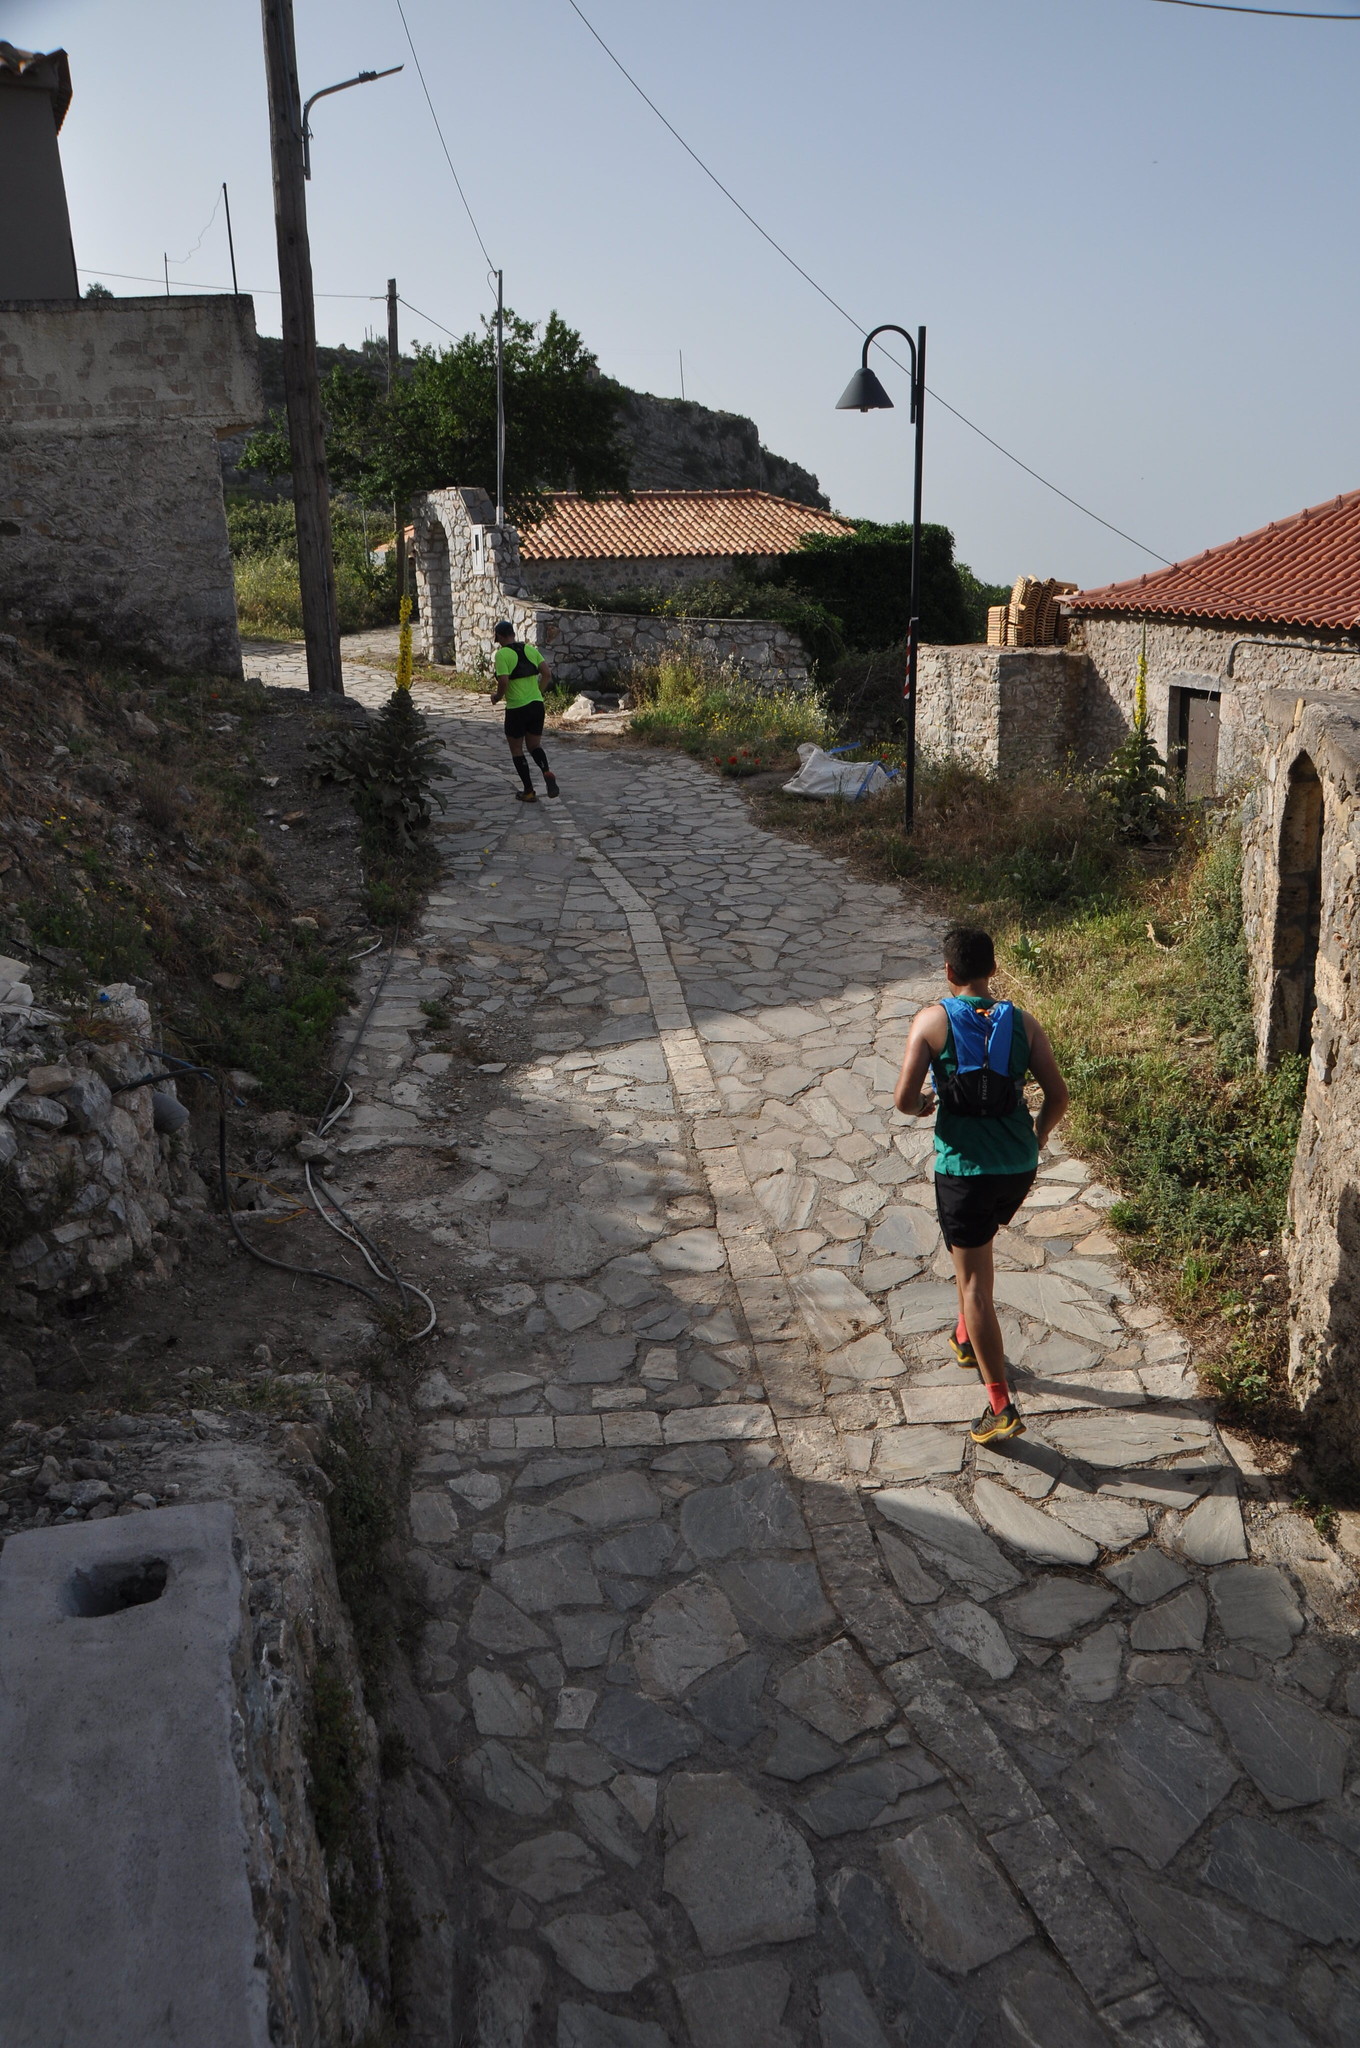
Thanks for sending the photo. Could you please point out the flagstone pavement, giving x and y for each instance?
(779, 1713)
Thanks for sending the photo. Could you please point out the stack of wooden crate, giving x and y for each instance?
(1034, 616)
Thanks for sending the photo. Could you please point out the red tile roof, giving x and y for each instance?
(1303, 571)
(673, 523)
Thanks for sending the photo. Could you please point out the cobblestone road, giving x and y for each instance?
(779, 1713)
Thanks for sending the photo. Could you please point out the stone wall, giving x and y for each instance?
(111, 514)
(469, 575)
(1007, 711)
(87, 1185)
(1185, 655)
(1301, 904)
(606, 575)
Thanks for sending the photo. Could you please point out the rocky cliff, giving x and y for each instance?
(675, 444)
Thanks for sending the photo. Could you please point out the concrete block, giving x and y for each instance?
(125, 1903)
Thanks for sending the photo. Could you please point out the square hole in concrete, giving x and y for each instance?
(112, 1588)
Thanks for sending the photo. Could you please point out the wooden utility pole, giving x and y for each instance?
(306, 438)
(398, 510)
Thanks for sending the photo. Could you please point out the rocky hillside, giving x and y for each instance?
(675, 443)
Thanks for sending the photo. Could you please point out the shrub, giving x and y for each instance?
(389, 766)
(1135, 779)
(263, 538)
(691, 700)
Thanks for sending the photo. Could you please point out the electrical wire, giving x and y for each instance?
(180, 261)
(352, 1234)
(262, 291)
(822, 292)
(420, 74)
(1280, 13)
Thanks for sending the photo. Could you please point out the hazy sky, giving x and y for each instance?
(1129, 227)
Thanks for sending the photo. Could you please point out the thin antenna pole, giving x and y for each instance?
(500, 398)
(231, 246)
(682, 373)
(166, 262)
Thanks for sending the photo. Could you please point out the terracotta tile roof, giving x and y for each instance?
(1303, 571)
(673, 523)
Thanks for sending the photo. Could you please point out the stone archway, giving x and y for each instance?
(1298, 911)
(434, 584)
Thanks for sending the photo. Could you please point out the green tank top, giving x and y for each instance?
(985, 1144)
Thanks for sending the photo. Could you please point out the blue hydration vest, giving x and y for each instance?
(983, 1084)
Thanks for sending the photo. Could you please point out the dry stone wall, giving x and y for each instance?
(1301, 904)
(606, 575)
(469, 574)
(88, 1187)
(1005, 711)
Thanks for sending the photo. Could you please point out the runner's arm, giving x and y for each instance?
(927, 1036)
(1044, 1068)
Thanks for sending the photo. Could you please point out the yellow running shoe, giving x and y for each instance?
(964, 1353)
(994, 1429)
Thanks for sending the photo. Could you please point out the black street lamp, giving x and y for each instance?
(864, 393)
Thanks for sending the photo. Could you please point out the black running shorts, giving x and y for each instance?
(972, 1207)
(525, 721)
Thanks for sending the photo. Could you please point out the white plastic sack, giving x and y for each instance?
(823, 774)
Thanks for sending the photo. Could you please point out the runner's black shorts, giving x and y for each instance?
(972, 1207)
(525, 721)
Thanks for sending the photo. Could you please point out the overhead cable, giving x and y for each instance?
(1279, 13)
(845, 314)
(440, 133)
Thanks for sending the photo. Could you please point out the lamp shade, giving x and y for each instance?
(863, 393)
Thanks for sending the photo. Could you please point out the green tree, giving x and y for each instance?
(864, 580)
(438, 425)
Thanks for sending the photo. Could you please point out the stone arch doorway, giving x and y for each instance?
(1298, 914)
(434, 585)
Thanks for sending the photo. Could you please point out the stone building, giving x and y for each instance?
(663, 539)
(470, 573)
(37, 260)
(1279, 608)
(112, 524)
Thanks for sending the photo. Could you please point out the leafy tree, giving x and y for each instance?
(438, 425)
(97, 291)
(864, 579)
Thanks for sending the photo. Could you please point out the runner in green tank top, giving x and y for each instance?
(985, 1159)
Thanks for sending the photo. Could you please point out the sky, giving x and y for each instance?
(1129, 227)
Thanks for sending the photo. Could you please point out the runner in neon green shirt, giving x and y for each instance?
(520, 673)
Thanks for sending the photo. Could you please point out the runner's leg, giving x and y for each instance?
(516, 746)
(975, 1275)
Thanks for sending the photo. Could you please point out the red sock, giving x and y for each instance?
(999, 1394)
(961, 1332)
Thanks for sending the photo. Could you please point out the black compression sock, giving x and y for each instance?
(522, 769)
(541, 759)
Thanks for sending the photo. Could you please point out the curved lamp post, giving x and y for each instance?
(864, 393)
(363, 78)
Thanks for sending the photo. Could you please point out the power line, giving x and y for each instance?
(428, 317)
(184, 284)
(839, 308)
(442, 144)
(1279, 13)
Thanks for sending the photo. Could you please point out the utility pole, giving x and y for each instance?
(398, 510)
(306, 439)
(500, 398)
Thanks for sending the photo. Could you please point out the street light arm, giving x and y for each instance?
(890, 327)
(362, 78)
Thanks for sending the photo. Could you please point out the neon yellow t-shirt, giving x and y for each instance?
(524, 689)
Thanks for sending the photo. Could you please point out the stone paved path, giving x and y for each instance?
(780, 1714)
